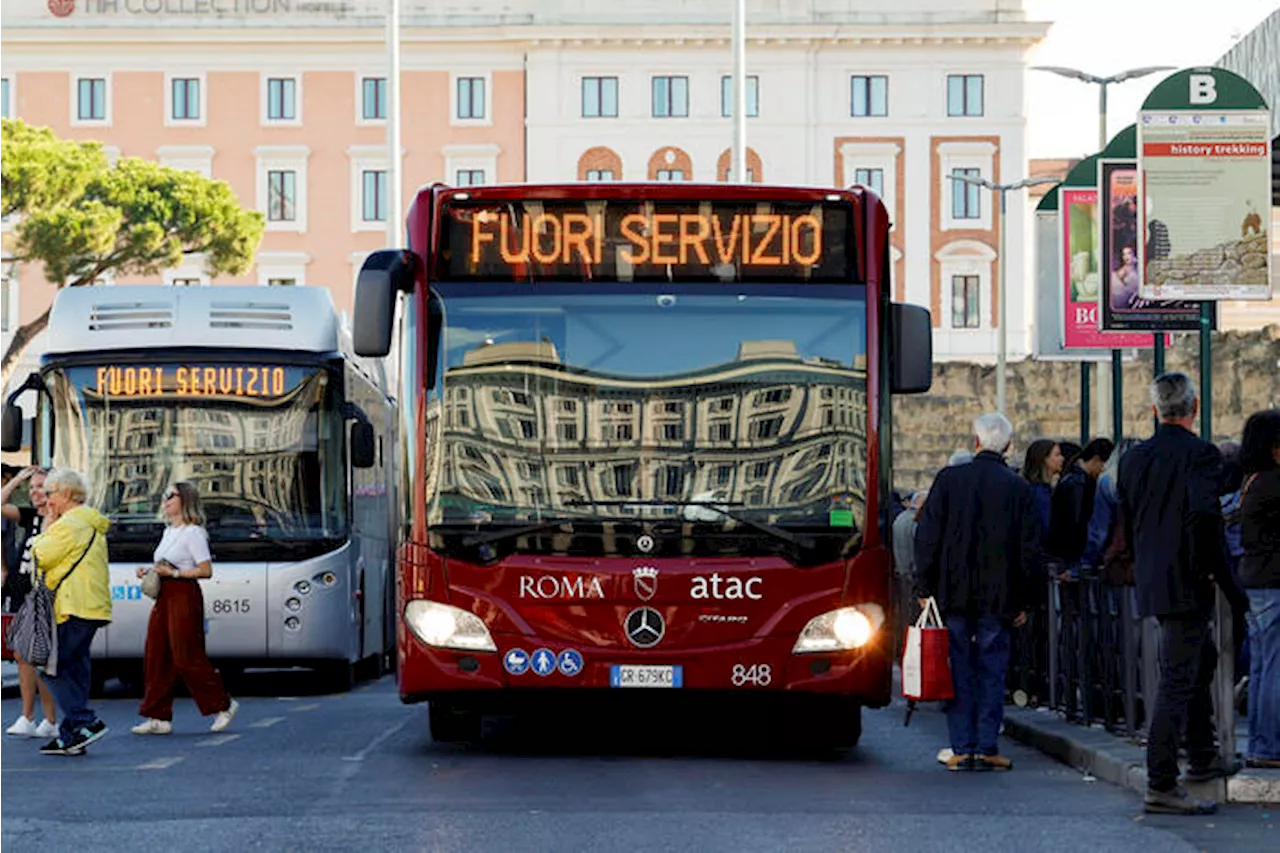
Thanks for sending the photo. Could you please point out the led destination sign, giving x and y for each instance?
(193, 380)
(570, 240)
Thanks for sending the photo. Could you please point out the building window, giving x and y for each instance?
(672, 481)
(282, 99)
(599, 97)
(282, 195)
(726, 96)
(673, 432)
(965, 313)
(373, 195)
(91, 99)
(670, 175)
(567, 432)
(373, 98)
(8, 296)
(868, 96)
(5, 106)
(185, 92)
(186, 282)
(670, 97)
(721, 431)
(966, 198)
(873, 178)
(600, 174)
(282, 282)
(471, 97)
(964, 94)
(751, 175)
(468, 177)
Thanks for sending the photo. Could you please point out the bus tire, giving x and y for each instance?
(826, 723)
(339, 676)
(451, 723)
(371, 668)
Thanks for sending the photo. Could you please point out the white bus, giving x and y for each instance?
(254, 395)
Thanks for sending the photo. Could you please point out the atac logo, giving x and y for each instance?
(62, 8)
(646, 582)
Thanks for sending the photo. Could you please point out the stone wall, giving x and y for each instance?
(1044, 399)
(1242, 261)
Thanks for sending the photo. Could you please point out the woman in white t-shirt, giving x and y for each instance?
(175, 634)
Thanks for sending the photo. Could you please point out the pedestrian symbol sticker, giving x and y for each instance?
(544, 663)
(516, 662)
(570, 662)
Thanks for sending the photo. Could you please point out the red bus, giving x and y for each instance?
(644, 443)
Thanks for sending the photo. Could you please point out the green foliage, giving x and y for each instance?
(82, 217)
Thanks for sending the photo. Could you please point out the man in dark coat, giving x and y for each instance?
(1168, 491)
(977, 548)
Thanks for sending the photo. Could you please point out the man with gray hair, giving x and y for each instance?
(1168, 496)
(977, 548)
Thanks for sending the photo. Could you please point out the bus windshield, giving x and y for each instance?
(709, 405)
(263, 443)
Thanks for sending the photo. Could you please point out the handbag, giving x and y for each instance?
(926, 661)
(151, 583)
(33, 634)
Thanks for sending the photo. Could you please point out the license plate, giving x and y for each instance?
(629, 675)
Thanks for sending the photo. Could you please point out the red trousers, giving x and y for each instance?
(175, 650)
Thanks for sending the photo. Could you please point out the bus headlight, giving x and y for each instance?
(447, 627)
(840, 630)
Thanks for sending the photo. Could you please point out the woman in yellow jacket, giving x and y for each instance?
(72, 554)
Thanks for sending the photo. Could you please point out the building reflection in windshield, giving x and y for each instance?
(780, 436)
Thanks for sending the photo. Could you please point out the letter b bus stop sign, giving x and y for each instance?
(1204, 164)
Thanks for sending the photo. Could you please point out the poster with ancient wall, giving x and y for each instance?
(1206, 187)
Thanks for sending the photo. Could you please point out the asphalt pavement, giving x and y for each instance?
(298, 771)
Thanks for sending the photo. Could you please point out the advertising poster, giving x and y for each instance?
(1082, 277)
(1122, 308)
(1206, 185)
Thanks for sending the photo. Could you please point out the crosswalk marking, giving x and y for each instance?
(160, 763)
(310, 707)
(217, 740)
(266, 723)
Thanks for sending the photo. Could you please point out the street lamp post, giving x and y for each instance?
(738, 163)
(1002, 299)
(1117, 401)
(395, 225)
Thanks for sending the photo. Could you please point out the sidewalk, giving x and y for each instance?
(1115, 759)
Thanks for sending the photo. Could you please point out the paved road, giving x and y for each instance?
(333, 772)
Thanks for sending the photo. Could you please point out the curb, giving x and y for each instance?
(1113, 759)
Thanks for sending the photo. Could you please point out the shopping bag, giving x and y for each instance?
(926, 665)
(5, 652)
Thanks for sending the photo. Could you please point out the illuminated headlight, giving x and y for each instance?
(447, 627)
(840, 630)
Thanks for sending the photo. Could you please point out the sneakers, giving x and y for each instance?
(224, 718)
(46, 729)
(25, 727)
(57, 746)
(93, 732)
(994, 762)
(153, 727)
(1216, 769)
(1176, 801)
(959, 762)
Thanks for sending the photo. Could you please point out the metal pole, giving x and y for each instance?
(1206, 371)
(1117, 396)
(1002, 315)
(395, 225)
(740, 91)
(1157, 363)
(1086, 380)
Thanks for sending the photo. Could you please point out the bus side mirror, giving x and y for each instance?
(363, 445)
(911, 356)
(11, 428)
(383, 275)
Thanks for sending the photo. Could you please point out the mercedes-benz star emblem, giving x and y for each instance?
(645, 543)
(646, 582)
(645, 627)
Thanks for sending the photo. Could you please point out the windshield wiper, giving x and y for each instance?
(799, 540)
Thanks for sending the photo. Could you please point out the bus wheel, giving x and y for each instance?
(339, 676)
(826, 723)
(371, 668)
(450, 723)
